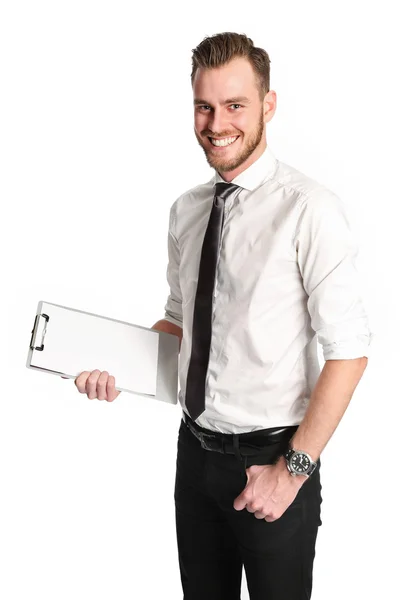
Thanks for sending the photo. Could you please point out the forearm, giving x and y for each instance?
(168, 327)
(328, 403)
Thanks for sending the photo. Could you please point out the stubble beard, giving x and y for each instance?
(221, 164)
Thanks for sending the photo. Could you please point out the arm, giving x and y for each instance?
(328, 403)
(271, 489)
(164, 325)
(173, 318)
(326, 253)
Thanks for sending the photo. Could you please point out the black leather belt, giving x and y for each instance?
(250, 443)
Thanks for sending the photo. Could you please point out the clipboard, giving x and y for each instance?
(66, 341)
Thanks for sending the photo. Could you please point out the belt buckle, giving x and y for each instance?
(203, 441)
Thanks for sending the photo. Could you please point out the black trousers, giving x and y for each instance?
(215, 541)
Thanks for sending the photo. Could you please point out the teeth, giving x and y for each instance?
(224, 142)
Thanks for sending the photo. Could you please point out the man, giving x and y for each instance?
(261, 268)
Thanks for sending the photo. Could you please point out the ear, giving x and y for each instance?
(270, 103)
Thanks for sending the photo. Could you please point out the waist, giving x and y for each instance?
(249, 442)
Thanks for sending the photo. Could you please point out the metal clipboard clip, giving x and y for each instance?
(35, 330)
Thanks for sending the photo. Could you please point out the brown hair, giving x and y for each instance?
(219, 49)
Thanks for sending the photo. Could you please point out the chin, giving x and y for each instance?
(223, 166)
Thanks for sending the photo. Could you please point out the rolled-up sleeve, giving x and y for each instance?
(326, 255)
(173, 307)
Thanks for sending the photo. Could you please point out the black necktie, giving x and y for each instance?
(202, 316)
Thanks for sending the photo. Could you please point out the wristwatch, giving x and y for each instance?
(299, 462)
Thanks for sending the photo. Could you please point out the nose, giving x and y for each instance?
(217, 122)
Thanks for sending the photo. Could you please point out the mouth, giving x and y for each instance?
(223, 142)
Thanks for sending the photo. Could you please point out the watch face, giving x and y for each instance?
(300, 462)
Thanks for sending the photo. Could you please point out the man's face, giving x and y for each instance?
(227, 105)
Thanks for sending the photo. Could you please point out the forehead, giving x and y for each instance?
(232, 80)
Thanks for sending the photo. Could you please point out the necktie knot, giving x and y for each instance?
(224, 189)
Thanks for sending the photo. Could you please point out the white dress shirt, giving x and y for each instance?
(286, 279)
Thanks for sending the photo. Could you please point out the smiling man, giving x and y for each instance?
(231, 131)
(233, 151)
(261, 269)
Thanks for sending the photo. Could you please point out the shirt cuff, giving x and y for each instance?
(353, 348)
(168, 317)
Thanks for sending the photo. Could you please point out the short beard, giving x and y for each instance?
(232, 164)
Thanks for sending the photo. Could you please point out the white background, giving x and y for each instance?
(96, 144)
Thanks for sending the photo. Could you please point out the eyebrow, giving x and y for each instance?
(235, 100)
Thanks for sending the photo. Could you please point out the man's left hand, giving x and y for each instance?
(270, 490)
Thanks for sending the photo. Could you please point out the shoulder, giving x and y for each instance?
(192, 196)
(311, 197)
(306, 189)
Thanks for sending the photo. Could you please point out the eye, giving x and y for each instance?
(206, 106)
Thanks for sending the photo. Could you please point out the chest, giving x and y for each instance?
(256, 245)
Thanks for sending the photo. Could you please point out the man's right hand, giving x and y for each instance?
(97, 384)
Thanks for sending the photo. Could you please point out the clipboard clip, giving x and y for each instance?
(35, 330)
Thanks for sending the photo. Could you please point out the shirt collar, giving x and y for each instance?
(258, 172)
